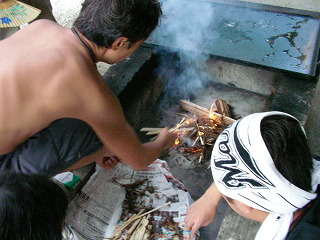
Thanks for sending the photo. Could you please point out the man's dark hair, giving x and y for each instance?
(32, 207)
(288, 147)
(103, 21)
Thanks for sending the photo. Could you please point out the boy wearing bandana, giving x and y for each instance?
(263, 168)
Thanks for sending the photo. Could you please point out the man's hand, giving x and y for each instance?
(108, 160)
(168, 137)
(203, 212)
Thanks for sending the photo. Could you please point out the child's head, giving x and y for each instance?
(289, 150)
(103, 21)
(31, 207)
(263, 161)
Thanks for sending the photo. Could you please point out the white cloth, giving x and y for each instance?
(244, 170)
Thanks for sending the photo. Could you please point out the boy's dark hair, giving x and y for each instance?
(288, 147)
(31, 207)
(103, 21)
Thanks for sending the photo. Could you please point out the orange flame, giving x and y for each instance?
(213, 117)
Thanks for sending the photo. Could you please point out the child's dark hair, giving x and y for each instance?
(103, 21)
(288, 147)
(31, 207)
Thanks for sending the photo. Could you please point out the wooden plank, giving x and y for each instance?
(203, 112)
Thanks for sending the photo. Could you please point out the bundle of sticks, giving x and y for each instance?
(138, 226)
(144, 223)
(199, 129)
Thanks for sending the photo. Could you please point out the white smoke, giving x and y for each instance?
(184, 29)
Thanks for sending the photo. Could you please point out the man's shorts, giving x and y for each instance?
(53, 149)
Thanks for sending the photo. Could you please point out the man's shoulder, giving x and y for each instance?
(43, 22)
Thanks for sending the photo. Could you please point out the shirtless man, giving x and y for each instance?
(55, 107)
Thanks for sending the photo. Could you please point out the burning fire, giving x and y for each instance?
(197, 136)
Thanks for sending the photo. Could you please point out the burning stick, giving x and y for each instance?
(208, 125)
(213, 108)
(199, 128)
(199, 134)
(154, 131)
(171, 130)
(182, 121)
(200, 158)
(195, 141)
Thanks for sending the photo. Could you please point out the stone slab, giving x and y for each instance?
(278, 40)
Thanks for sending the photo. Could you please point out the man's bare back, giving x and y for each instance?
(43, 67)
(48, 74)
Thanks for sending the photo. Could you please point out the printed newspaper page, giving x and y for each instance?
(111, 196)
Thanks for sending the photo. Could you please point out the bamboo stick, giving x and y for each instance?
(132, 228)
(213, 108)
(166, 204)
(116, 234)
(140, 230)
(150, 129)
(119, 230)
(134, 217)
(182, 121)
(170, 130)
(199, 134)
(200, 158)
(195, 141)
(147, 233)
(153, 133)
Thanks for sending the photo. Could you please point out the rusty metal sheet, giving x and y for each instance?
(277, 40)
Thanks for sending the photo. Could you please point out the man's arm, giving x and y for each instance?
(203, 211)
(105, 115)
(123, 142)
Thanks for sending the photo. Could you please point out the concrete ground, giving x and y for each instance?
(313, 123)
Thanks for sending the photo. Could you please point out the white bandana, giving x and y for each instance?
(244, 170)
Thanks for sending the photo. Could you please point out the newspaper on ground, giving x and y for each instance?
(110, 198)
